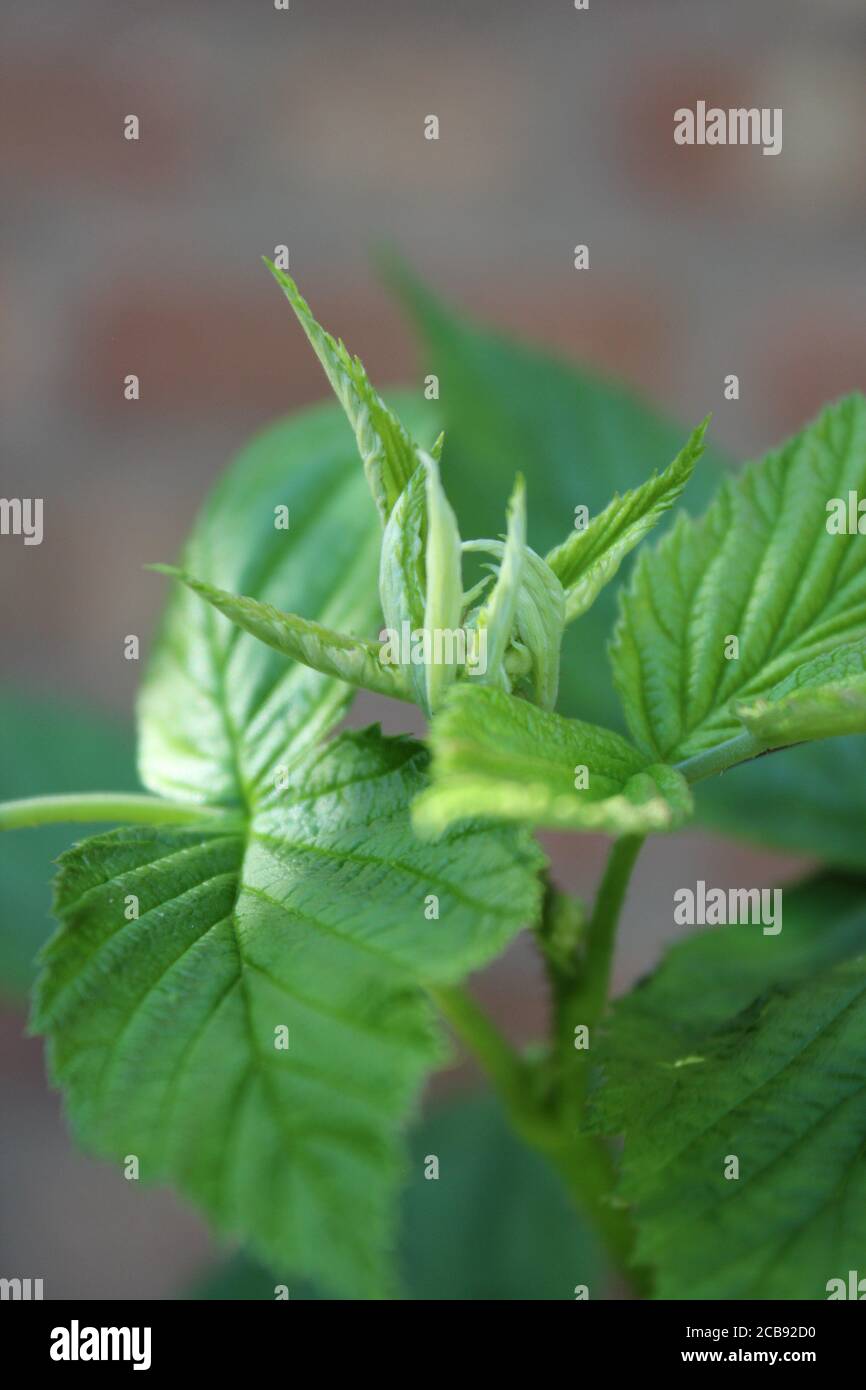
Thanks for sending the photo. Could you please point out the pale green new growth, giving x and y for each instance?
(388, 454)
(500, 757)
(497, 615)
(332, 653)
(589, 559)
(420, 580)
(539, 623)
(443, 598)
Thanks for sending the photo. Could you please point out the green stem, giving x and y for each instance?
(582, 1161)
(590, 997)
(589, 1175)
(511, 1076)
(127, 808)
(738, 749)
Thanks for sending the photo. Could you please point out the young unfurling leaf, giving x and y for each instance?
(443, 598)
(420, 581)
(349, 659)
(589, 559)
(532, 661)
(388, 453)
(496, 617)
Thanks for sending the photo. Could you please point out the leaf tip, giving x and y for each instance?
(173, 571)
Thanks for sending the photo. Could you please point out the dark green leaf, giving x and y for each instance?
(495, 1225)
(752, 1046)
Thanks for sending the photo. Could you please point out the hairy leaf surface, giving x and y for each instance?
(497, 614)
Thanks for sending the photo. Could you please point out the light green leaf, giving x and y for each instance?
(753, 1046)
(823, 698)
(402, 574)
(497, 1224)
(443, 599)
(589, 559)
(760, 567)
(165, 1029)
(540, 624)
(497, 615)
(540, 620)
(387, 451)
(331, 653)
(218, 709)
(495, 755)
(420, 582)
(578, 438)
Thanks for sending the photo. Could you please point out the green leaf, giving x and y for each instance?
(163, 1028)
(759, 566)
(495, 755)
(420, 581)
(589, 559)
(218, 709)
(402, 571)
(387, 451)
(579, 438)
(304, 907)
(823, 698)
(443, 599)
(46, 745)
(331, 653)
(540, 620)
(495, 1226)
(576, 437)
(496, 617)
(747, 1045)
